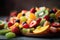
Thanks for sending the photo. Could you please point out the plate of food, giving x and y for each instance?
(38, 21)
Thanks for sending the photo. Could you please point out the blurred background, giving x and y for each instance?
(6, 6)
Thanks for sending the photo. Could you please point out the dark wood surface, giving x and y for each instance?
(28, 38)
